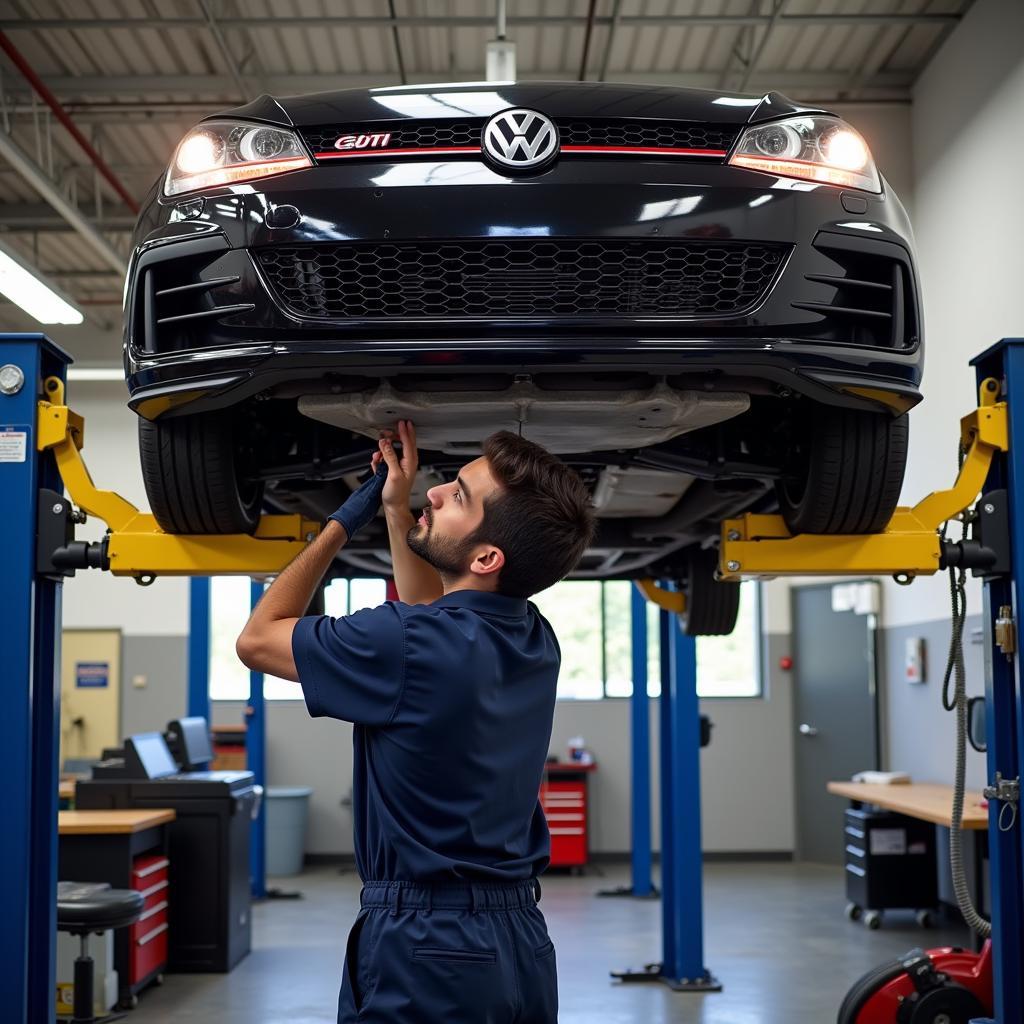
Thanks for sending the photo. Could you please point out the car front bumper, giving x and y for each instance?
(239, 339)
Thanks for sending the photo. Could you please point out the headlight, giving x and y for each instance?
(225, 152)
(821, 149)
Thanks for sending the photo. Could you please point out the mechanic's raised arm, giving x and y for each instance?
(417, 582)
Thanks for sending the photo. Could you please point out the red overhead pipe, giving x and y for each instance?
(62, 115)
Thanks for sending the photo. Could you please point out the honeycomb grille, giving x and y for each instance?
(668, 134)
(520, 278)
(572, 132)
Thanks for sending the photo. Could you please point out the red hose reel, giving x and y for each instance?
(949, 985)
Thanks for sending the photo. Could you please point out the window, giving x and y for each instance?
(229, 611)
(593, 623)
(591, 619)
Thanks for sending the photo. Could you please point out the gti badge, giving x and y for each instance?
(520, 139)
(378, 140)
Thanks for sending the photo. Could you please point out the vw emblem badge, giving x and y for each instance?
(520, 139)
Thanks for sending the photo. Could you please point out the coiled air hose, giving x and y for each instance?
(958, 704)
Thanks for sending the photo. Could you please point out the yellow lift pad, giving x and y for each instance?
(760, 546)
(136, 546)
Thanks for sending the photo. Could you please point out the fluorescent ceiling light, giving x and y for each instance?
(92, 373)
(26, 288)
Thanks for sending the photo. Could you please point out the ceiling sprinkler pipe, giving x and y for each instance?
(62, 115)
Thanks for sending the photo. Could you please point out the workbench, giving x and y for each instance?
(926, 801)
(127, 849)
(931, 802)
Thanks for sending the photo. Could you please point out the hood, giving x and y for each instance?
(482, 99)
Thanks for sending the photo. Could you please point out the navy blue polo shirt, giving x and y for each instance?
(452, 705)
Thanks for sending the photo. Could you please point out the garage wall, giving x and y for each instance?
(111, 452)
(968, 152)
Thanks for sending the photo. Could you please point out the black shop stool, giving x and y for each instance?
(88, 908)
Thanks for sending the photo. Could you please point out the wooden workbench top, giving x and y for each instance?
(928, 801)
(84, 823)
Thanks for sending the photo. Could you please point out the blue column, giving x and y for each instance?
(256, 761)
(1004, 698)
(640, 807)
(669, 863)
(683, 913)
(30, 723)
(199, 647)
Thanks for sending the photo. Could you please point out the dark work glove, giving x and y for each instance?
(362, 504)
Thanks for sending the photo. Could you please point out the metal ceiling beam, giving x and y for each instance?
(456, 21)
(613, 25)
(587, 35)
(292, 84)
(393, 21)
(42, 217)
(748, 71)
(225, 50)
(50, 191)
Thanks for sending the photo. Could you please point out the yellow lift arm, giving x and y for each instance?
(135, 545)
(760, 546)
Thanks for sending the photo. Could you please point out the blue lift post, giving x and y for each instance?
(641, 886)
(682, 907)
(30, 606)
(256, 762)
(1004, 697)
(199, 647)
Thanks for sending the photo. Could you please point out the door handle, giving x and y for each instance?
(808, 730)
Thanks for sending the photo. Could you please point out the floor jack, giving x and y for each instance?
(40, 445)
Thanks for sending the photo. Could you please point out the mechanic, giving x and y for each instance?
(451, 691)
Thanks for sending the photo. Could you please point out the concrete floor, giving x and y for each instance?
(775, 936)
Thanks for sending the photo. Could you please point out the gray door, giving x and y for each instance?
(836, 716)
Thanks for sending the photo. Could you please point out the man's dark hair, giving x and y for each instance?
(541, 517)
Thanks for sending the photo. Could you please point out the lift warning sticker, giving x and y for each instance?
(13, 443)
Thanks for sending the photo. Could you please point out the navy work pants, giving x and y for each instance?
(449, 954)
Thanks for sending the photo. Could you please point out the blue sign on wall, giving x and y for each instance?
(92, 673)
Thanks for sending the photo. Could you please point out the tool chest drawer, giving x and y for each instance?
(889, 860)
(148, 936)
(565, 807)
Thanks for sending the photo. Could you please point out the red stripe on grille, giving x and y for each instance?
(435, 150)
(656, 150)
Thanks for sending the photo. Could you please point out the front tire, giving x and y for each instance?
(846, 473)
(711, 605)
(190, 467)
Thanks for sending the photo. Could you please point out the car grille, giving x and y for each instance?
(573, 132)
(514, 279)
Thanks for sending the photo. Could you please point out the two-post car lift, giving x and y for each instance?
(40, 446)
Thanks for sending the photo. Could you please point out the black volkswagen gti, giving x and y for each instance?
(706, 303)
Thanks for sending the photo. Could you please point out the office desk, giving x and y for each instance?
(127, 849)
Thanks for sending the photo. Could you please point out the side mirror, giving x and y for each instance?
(976, 724)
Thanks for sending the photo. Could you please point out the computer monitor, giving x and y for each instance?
(189, 740)
(148, 757)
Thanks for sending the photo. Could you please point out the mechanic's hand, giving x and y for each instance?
(401, 472)
(362, 504)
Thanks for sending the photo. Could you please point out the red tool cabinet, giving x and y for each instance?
(148, 936)
(564, 799)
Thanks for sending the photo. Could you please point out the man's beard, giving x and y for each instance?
(449, 556)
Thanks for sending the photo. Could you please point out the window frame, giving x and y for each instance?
(758, 658)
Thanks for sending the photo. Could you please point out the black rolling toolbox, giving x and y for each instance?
(890, 865)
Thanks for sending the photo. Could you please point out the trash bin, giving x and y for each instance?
(287, 812)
